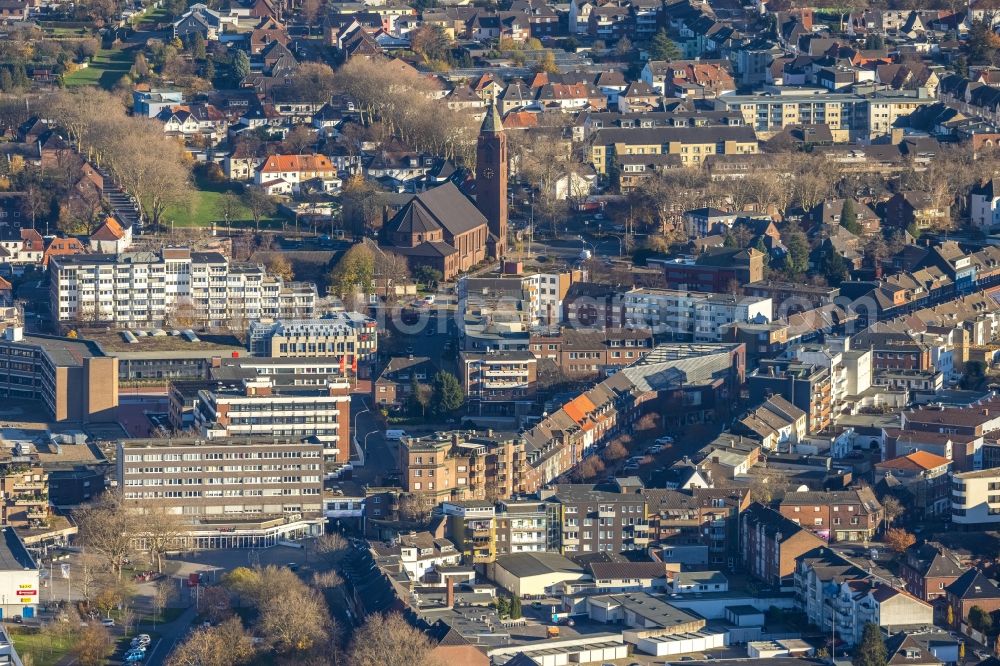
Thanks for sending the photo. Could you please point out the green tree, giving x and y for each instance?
(834, 267)
(241, 65)
(849, 217)
(871, 651)
(874, 42)
(980, 620)
(354, 272)
(448, 395)
(797, 259)
(427, 275)
(515, 608)
(198, 47)
(663, 48)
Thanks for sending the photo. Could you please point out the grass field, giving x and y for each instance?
(45, 649)
(204, 208)
(105, 69)
(150, 18)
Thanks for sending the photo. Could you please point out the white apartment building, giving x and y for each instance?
(837, 594)
(538, 296)
(338, 334)
(975, 497)
(691, 315)
(850, 369)
(176, 287)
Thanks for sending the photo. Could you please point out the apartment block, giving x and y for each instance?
(697, 527)
(837, 594)
(770, 544)
(690, 315)
(343, 334)
(591, 352)
(539, 296)
(242, 492)
(500, 383)
(75, 380)
(260, 407)
(463, 465)
(692, 145)
(848, 115)
(809, 387)
(472, 528)
(522, 526)
(175, 287)
(975, 497)
(593, 521)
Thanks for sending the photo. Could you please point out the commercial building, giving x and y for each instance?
(340, 334)
(260, 407)
(463, 465)
(19, 587)
(975, 498)
(716, 270)
(230, 493)
(75, 380)
(688, 315)
(533, 574)
(175, 287)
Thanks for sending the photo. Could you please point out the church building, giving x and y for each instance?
(443, 229)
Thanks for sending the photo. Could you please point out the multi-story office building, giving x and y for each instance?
(74, 378)
(593, 521)
(975, 497)
(175, 287)
(231, 493)
(463, 465)
(259, 407)
(691, 315)
(340, 334)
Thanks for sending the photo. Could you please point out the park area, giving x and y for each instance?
(105, 69)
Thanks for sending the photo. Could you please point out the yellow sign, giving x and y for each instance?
(26, 586)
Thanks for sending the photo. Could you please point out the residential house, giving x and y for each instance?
(844, 515)
(918, 209)
(924, 481)
(969, 590)
(110, 237)
(297, 170)
(394, 384)
(928, 568)
(770, 544)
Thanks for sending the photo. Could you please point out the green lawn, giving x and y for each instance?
(105, 69)
(45, 649)
(204, 208)
(149, 18)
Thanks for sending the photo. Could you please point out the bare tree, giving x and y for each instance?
(161, 529)
(106, 528)
(93, 645)
(295, 628)
(388, 640)
(225, 645)
(259, 204)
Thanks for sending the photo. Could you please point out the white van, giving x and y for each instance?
(395, 435)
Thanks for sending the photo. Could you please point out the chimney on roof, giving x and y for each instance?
(451, 592)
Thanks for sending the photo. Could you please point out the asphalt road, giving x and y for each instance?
(381, 457)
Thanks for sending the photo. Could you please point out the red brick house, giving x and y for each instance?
(928, 568)
(770, 542)
(972, 589)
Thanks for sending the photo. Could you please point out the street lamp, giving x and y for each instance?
(584, 244)
(364, 446)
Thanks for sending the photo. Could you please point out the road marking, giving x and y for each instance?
(156, 645)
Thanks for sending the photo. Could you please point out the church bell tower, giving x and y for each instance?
(491, 180)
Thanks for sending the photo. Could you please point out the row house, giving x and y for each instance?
(692, 144)
(591, 352)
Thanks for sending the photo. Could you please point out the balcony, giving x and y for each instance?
(605, 514)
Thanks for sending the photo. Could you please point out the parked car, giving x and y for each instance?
(664, 440)
(108, 621)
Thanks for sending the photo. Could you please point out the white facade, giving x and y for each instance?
(665, 646)
(691, 315)
(984, 211)
(149, 289)
(975, 497)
